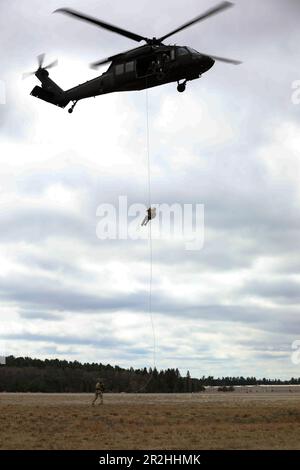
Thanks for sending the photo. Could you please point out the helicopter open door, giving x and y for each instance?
(154, 63)
(143, 66)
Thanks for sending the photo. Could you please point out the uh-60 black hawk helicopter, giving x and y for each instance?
(147, 66)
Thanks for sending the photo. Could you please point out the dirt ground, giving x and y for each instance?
(252, 419)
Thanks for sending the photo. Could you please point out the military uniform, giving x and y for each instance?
(151, 214)
(98, 393)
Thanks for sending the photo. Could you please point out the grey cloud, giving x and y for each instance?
(51, 264)
(102, 342)
(282, 291)
(39, 315)
(38, 294)
(36, 225)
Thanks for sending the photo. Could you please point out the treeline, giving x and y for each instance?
(56, 376)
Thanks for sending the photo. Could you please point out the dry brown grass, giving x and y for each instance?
(149, 422)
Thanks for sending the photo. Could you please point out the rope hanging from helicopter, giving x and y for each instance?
(150, 239)
(150, 228)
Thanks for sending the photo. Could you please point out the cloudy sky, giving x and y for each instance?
(231, 142)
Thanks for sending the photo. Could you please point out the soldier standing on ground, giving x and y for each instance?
(98, 392)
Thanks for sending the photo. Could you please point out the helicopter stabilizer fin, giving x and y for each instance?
(58, 99)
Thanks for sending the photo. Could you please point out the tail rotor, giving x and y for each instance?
(41, 67)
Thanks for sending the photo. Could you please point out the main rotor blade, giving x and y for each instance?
(101, 24)
(224, 59)
(213, 11)
(94, 65)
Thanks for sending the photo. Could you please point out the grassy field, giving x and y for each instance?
(198, 421)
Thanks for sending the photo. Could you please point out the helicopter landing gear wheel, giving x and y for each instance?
(72, 107)
(181, 87)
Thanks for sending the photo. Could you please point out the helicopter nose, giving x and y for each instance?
(207, 62)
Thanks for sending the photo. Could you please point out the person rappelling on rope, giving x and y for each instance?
(151, 214)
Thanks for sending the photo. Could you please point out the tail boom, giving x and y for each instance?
(49, 91)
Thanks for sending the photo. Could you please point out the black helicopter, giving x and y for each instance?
(147, 66)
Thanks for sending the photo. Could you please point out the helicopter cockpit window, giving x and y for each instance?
(119, 69)
(193, 51)
(129, 67)
(182, 51)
